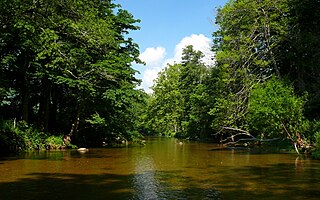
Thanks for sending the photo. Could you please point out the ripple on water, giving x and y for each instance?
(167, 185)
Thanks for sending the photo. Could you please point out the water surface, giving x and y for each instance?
(162, 169)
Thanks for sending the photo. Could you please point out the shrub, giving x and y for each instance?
(275, 111)
(54, 142)
(21, 136)
(316, 150)
(18, 136)
(317, 140)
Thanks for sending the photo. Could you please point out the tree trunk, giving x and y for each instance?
(75, 125)
(53, 109)
(45, 105)
(25, 97)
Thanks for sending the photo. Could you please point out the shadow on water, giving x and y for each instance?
(67, 186)
(280, 181)
(54, 155)
(252, 151)
(104, 186)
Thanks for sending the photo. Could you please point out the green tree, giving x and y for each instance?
(179, 102)
(257, 40)
(65, 63)
(246, 43)
(274, 111)
(165, 105)
(299, 52)
(192, 85)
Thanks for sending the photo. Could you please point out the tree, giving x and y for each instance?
(192, 84)
(68, 63)
(166, 104)
(257, 40)
(299, 52)
(178, 105)
(245, 44)
(274, 111)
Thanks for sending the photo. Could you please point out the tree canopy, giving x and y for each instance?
(263, 84)
(176, 107)
(66, 67)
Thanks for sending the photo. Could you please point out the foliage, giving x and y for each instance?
(63, 62)
(54, 142)
(299, 52)
(255, 41)
(178, 104)
(317, 140)
(316, 150)
(164, 106)
(274, 110)
(20, 136)
(245, 44)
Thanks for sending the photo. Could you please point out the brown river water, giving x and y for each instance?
(162, 169)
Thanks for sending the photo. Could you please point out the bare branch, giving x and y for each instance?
(241, 132)
(236, 129)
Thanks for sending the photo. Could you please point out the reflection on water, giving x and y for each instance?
(162, 169)
(144, 182)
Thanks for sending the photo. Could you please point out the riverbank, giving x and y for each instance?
(16, 137)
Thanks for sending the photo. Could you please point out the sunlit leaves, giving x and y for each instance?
(178, 106)
(274, 110)
(73, 59)
(246, 43)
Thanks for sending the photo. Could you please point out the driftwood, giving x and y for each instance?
(290, 138)
(299, 142)
(229, 141)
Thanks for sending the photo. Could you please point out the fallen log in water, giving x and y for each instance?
(231, 140)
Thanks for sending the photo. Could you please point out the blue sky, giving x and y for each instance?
(166, 27)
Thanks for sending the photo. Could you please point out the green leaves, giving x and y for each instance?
(178, 105)
(70, 65)
(274, 109)
(246, 45)
(96, 120)
(249, 35)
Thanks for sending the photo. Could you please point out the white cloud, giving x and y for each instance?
(148, 77)
(199, 43)
(155, 57)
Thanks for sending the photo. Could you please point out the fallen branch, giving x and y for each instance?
(242, 133)
(238, 134)
(251, 140)
(289, 136)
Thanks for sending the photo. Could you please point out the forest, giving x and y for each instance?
(67, 77)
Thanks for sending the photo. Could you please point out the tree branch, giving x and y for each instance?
(242, 132)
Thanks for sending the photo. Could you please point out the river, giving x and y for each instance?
(161, 169)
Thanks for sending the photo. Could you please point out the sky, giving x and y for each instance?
(166, 27)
